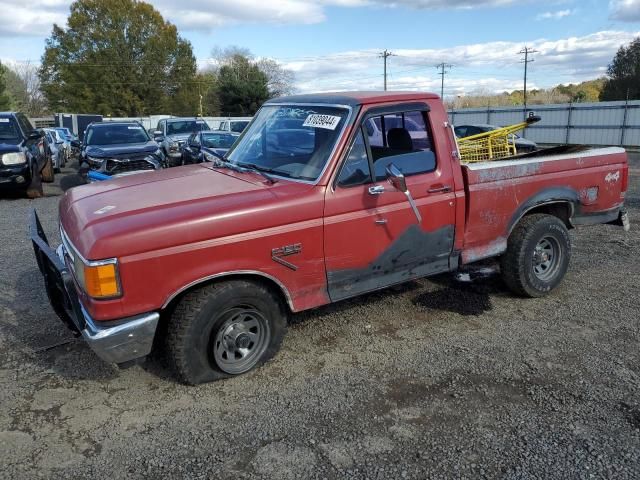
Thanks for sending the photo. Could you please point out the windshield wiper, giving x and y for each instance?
(259, 169)
(224, 162)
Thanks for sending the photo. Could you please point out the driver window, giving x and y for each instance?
(355, 170)
(403, 139)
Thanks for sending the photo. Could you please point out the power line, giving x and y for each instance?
(526, 51)
(384, 55)
(443, 71)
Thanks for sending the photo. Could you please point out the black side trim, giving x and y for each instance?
(608, 216)
(546, 197)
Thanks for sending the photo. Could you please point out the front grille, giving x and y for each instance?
(115, 166)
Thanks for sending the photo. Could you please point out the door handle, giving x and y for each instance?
(439, 189)
(376, 190)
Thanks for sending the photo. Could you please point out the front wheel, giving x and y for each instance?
(537, 256)
(224, 329)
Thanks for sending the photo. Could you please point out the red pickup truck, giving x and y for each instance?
(309, 207)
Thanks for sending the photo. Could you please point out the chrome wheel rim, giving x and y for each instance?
(241, 340)
(546, 258)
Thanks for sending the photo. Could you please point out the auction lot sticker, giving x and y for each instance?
(328, 122)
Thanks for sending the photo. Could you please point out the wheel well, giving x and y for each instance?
(562, 210)
(277, 289)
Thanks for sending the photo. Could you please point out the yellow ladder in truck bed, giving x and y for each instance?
(493, 145)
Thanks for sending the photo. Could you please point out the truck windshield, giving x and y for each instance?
(293, 141)
(185, 126)
(9, 131)
(115, 135)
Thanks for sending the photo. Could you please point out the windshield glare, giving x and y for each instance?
(116, 134)
(8, 130)
(291, 141)
(186, 126)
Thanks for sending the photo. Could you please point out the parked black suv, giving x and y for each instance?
(119, 148)
(24, 162)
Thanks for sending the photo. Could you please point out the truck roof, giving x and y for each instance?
(355, 98)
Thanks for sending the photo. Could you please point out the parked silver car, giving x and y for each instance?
(172, 133)
(55, 150)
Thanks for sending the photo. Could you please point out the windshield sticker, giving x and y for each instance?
(4, 120)
(328, 122)
(134, 128)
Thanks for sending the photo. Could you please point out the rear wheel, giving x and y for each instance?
(537, 257)
(223, 330)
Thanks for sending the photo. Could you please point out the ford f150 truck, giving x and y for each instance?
(207, 261)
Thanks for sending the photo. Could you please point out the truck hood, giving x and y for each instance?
(121, 149)
(166, 208)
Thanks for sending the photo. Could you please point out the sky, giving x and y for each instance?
(336, 44)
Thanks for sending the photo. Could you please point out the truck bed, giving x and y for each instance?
(499, 193)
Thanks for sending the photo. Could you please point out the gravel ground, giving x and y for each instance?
(437, 379)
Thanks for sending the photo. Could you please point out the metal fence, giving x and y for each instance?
(604, 123)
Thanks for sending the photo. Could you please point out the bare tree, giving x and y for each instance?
(281, 80)
(25, 90)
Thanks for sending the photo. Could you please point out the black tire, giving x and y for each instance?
(35, 190)
(537, 256)
(196, 330)
(47, 172)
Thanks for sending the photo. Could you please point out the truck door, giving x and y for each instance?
(373, 237)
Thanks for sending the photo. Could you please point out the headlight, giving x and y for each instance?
(210, 157)
(14, 158)
(98, 279)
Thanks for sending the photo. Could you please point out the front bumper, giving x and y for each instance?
(117, 341)
(15, 176)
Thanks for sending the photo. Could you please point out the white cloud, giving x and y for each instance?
(493, 65)
(37, 16)
(558, 15)
(625, 10)
(34, 18)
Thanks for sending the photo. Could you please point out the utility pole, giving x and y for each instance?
(443, 71)
(526, 51)
(384, 55)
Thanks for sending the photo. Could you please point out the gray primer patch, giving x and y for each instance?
(413, 254)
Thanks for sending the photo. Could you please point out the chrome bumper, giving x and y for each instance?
(123, 340)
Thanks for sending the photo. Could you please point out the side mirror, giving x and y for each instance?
(399, 182)
(35, 135)
(157, 133)
(396, 178)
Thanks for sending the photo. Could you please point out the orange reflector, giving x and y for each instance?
(101, 281)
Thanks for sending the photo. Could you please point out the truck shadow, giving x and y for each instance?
(467, 292)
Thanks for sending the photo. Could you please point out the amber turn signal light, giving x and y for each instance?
(101, 281)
